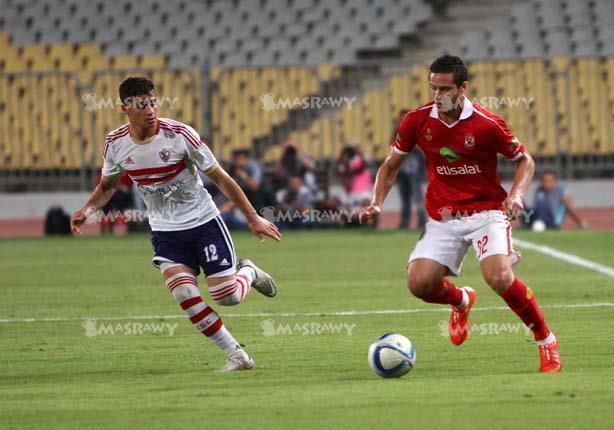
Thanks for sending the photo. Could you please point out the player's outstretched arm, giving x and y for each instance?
(386, 175)
(258, 225)
(100, 197)
(525, 168)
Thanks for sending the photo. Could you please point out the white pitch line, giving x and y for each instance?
(303, 314)
(570, 258)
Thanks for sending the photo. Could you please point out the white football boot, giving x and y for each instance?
(238, 360)
(264, 283)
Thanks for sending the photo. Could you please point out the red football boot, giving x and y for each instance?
(549, 357)
(459, 327)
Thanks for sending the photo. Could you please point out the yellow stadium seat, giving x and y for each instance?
(327, 72)
(13, 63)
(152, 61)
(5, 40)
(95, 63)
(124, 62)
(61, 57)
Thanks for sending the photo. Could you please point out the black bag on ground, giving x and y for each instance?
(57, 221)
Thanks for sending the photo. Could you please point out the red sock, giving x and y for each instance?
(520, 299)
(446, 293)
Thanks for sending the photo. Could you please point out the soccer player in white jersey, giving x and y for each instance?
(188, 233)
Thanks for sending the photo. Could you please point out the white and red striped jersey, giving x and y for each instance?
(164, 170)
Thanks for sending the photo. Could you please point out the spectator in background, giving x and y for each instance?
(552, 203)
(293, 163)
(354, 172)
(410, 181)
(296, 199)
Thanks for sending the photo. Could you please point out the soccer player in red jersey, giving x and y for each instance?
(466, 204)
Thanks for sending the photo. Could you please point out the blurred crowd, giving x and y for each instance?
(295, 194)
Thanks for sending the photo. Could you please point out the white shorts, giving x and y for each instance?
(447, 242)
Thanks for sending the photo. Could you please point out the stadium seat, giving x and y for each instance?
(277, 22)
(295, 51)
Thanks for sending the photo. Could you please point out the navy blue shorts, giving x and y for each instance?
(208, 246)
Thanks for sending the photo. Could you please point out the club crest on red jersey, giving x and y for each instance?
(428, 136)
(469, 141)
(165, 155)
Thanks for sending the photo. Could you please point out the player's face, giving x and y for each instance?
(446, 94)
(142, 110)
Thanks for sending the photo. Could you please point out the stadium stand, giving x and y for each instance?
(531, 95)
(545, 28)
(224, 33)
(223, 60)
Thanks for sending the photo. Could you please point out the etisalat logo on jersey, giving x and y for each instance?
(449, 155)
(452, 157)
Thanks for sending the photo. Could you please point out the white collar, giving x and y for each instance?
(465, 113)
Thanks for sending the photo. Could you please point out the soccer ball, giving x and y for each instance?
(539, 226)
(391, 355)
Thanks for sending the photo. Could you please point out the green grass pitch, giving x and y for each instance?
(54, 376)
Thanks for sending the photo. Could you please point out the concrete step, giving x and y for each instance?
(445, 32)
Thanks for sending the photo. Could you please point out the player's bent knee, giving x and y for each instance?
(182, 293)
(419, 285)
(229, 300)
(183, 286)
(227, 292)
(500, 280)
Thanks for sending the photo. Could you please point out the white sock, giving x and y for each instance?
(225, 341)
(465, 301)
(249, 272)
(547, 340)
(185, 291)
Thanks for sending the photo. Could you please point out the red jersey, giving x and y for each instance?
(461, 158)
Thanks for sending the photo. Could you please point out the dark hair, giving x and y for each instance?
(238, 152)
(133, 87)
(451, 64)
(348, 151)
(549, 172)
